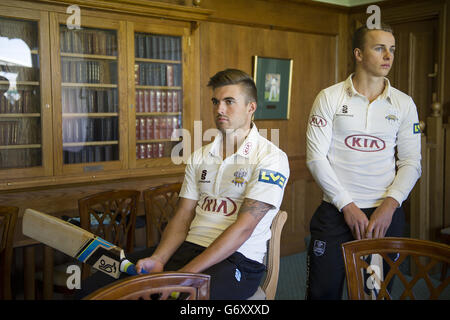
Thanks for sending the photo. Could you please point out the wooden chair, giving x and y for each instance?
(160, 204)
(112, 216)
(156, 286)
(8, 218)
(394, 251)
(269, 287)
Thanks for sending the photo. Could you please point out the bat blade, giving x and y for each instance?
(54, 232)
(76, 242)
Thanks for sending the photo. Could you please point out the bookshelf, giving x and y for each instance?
(22, 117)
(158, 93)
(89, 95)
(103, 101)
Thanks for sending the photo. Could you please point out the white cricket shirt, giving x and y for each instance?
(351, 145)
(258, 170)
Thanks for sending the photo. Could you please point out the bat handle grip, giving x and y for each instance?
(129, 268)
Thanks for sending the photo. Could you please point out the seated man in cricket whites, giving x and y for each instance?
(232, 190)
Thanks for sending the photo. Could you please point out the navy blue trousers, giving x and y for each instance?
(326, 270)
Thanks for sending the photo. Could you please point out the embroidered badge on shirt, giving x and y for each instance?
(344, 112)
(392, 116)
(317, 121)
(416, 128)
(272, 177)
(247, 148)
(319, 247)
(239, 177)
(203, 177)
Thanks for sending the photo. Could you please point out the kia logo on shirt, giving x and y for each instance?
(224, 206)
(318, 121)
(364, 143)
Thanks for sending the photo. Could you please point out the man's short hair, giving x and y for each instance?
(359, 37)
(235, 76)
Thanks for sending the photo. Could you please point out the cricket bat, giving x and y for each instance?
(77, 243)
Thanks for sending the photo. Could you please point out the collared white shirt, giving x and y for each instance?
(258, 170)
(351, 145)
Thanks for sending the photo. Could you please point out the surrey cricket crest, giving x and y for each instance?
(239, 177)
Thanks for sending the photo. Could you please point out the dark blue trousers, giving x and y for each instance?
(325, 266)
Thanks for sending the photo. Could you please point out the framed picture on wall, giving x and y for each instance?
(273, 79)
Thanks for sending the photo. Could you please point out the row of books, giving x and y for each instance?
(27, 103)
(153, 46)
(88, 41)
(88, 100)
(86, 71)
(152, 150)
(20, 29)
(90, 129)
(88, 154)
(20, 158)
(158, 74)
(148, 128)
(20, 132)
(158, 101)
(23, 73)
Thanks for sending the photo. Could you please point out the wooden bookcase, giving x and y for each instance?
(157, 88)
(102, 101)
(25, 110)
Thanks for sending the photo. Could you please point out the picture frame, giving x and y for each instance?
(273, 79)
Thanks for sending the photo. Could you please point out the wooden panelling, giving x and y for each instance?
(412, 73)
(445, 68)
(301, 199)
(447, 177)
(285, 15)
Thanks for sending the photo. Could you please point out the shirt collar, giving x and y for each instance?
(246, 148)
(351, 91)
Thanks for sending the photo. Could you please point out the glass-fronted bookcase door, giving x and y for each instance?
(88, 89)
(25, 96)
(156, 85)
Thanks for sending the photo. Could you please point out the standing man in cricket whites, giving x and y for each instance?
(232, 190)
(355, 127)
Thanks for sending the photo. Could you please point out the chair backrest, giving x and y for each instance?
(424, 256)
(156, 286)
(112, 216)
(160, 204)
(273, 256)
(8, 218)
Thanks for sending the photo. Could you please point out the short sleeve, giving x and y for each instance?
(269, 179)
(189, 189)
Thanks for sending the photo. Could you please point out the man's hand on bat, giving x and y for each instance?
(150, 264)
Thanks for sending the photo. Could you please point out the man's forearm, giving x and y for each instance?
(175, 232)
(172, 237)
